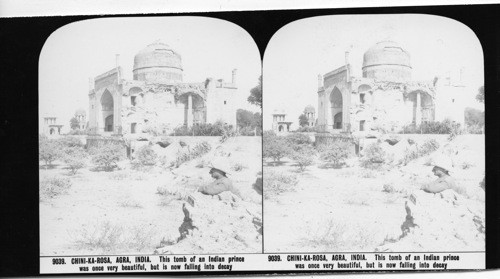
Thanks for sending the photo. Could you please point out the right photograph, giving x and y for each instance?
(374, 136)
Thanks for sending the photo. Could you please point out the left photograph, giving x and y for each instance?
(150, 138)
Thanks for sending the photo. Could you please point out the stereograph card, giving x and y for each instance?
(303, 142)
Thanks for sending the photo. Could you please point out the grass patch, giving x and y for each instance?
(131, 204)
(339, 236)
(106, 237)
(276, 183)
(52, 187)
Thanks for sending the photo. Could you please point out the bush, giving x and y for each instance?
(238, 167)
(146, 156)
(335, 153)
(278, 183)
(298, 139)
(373, 156)
(107, 156)
(70, 142)
(207, 129)
(475, 129)
(306, 129)
(52, 187)
(426, 148)
(249, 131)
(75, 158)
(49, 151)
(444, 127)
(198, 150)
(303, 156)
(275, 147)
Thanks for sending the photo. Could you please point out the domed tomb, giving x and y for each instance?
(387, 61)
(310, 109)
(158, 63)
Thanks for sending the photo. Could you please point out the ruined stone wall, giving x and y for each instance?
(221, 105)
(107, 82)
(396, 73)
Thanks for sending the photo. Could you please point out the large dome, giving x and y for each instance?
(388, 61)
(158, 62)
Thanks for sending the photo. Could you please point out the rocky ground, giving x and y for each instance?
(136, 211)
(357, 209)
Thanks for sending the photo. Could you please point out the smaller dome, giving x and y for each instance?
(279, 111)
(310, 108)
(80, 111)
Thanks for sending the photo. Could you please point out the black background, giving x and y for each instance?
(21, 40)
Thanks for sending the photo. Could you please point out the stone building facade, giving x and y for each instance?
(310, 113)
(385, 98)
(81, 117)
(280, 125)
(51, 128)
(157, 99)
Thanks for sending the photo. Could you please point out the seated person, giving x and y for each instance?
(221, 184)
(444, 181)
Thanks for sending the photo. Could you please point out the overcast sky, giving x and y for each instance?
(75, 52)
(301, 50)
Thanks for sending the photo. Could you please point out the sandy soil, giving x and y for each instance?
(120, 212)
(346, 209)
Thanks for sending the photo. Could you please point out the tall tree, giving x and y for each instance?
(480, 94)
(244, 118)
(73, 123)
(255, 97)
(303, 121)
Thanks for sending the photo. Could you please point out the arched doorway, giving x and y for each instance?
(107, 107)
(52, 131)
(336, 108)
(280, 128)
(108, 124)
(337, 121)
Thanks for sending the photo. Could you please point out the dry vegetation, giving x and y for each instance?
(113, 204)
(348, 202)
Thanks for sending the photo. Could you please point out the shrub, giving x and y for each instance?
(75, 158)
(107, 156)
(306, 129)
(426, 148)
(278, 183)
(298, 139)
(475, 129)
(275, 147)
(335, 153)
(146, 156)
(198, 150)
(303, 156)
(340, 235)
(238, 167)
(52, 187)
(103, 237)
(218, 128)
(70, 142)
(437, 127)
(249, 131)
(49, 151)
(373, 156)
